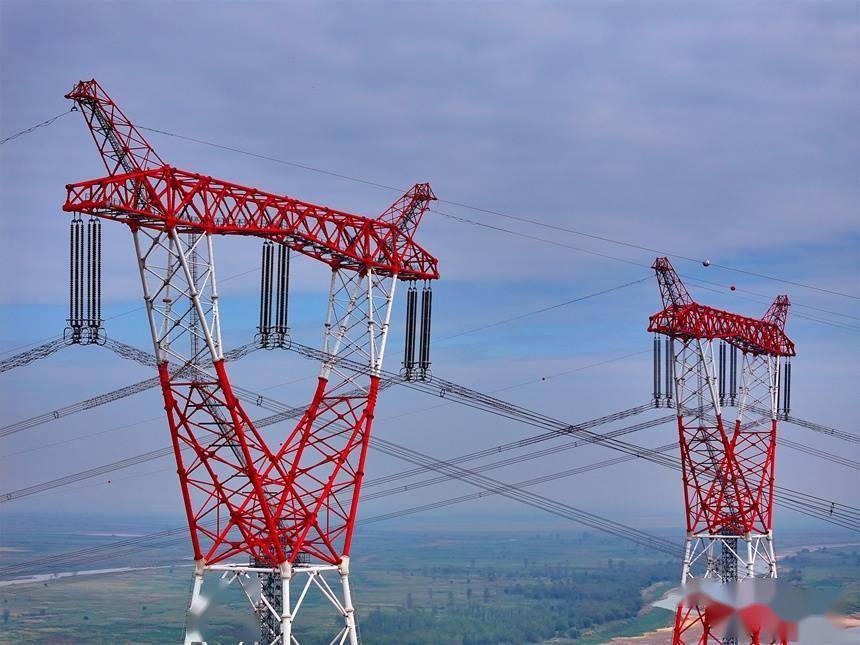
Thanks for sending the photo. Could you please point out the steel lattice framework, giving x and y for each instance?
(727, 468)
(287, 508)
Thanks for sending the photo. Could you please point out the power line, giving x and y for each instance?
(544, 240)
(489, 211)
(126, 351)
(32, 128)
(466, 396)
(806, 504)
(140, 543)
(486, 211)
(545, 309)
(145, 541)
(147, 359)
(36, 353)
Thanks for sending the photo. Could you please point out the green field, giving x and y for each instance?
(463, 588)
(466, 588)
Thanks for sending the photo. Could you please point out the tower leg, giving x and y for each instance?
(286, 609)
(195, 609)
(276, 601)
(771, 554)
(750, 558)
(688, 554)
(348, 609)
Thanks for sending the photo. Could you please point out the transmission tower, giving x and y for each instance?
(274, 516)
(727, 468)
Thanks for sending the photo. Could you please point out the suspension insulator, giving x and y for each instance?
(426, 314)
(733, 375)
(670, 370)
(93, 283)
(786, 391)
(282, 299)
(98, 280)
(76, 278)
(722, 367)
(265, 325)
(82, 274)
(657, 376)
(71, 272)
(409, 341)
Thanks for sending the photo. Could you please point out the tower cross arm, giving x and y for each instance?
(166, 198)
(121, 145)
(700, 321)
(684, 318)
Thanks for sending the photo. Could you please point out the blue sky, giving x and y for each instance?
(724, 131)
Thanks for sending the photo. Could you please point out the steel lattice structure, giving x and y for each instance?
(288, 509)
(727, 468)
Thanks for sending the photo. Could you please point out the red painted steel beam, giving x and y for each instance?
(167, 198)
(684, 318)
(700, 321)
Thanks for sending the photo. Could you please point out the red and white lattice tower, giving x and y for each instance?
(728, 467)
(282, 508)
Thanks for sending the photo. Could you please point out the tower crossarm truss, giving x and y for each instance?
(683, 318)
(727, 465)
(192, 203)
(284, 501)
(121, 145)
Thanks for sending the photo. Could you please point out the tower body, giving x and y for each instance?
(727, 463)
(273, 514)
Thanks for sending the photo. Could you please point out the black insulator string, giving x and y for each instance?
(283, 287)
(409, 341)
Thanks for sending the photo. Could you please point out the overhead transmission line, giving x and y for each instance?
(792, 499)
(34, 354)
(436, 386)
(32, 128)
(456, 472)
(457, 204)
(423, 463)
(145, 542)
(282, 413)
(497, 213)
(368, 484)
(139, 543)
(57, 343)
(486, 211)
(635, 452)
(127, 351)
(511, 411)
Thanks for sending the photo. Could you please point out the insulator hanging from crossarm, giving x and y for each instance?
(786, 387)
(80, 271)
(283, 295)
(733, 375)
(94, 277)
(72, 271)
(99, 272)
(670, 370)
(426, 315)
(722, 368)
(409, 336)
(657, 376)
(76, 279)
(91, 244)
(265, 326)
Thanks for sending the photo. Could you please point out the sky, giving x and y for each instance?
(721, 131)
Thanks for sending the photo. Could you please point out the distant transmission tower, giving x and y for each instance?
(728, 468)
(274, 515)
